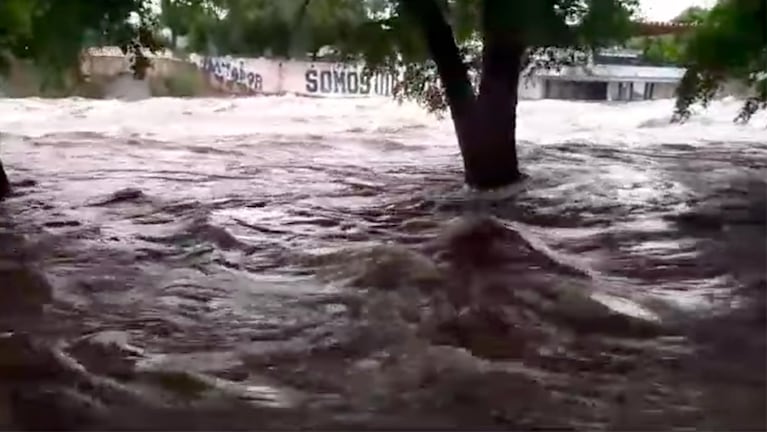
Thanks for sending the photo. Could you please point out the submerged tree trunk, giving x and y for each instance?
(493, 151)
(485, 125)
(5, 185)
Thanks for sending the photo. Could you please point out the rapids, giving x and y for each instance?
(282, 262)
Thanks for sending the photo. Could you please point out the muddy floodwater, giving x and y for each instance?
(283, 263)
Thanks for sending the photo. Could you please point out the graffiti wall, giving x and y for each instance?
(335, 80)
(243, 76)
(262, 76)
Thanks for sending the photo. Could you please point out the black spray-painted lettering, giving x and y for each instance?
(326, 82)
(311, 81)
(339, 81)
(351, 82)
(365, 83)
(225, 71)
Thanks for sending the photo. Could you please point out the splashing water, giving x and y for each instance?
(287, 262)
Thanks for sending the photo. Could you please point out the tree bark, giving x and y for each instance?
(5, 185)
(496, 112)
(484, 125)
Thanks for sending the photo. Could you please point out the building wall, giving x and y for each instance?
(335, 80)
(639, 90)
(601, 72)
(255, 76)
(125, 87)
(624, 82)
(664, 90)
(110, 61)
(243, 76)
(613, 91)
(575, 90)
(532, 87)
(251, 76)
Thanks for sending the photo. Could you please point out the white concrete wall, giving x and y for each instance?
(664, 90)
(613, 91)
(616, 73)
(110, 61)
(531, 88)
(254, 76)
(247, 76)
(334, 80)
(126, 87)
(250, 76)
(661, 90)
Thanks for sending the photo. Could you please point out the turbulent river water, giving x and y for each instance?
(306, 263)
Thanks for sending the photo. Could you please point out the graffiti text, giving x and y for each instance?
(348, 82)
(229, 72)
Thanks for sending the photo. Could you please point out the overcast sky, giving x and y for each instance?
(664, 10)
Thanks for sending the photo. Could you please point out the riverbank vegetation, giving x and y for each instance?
(52, 34)
(729, 44)
(669, 49)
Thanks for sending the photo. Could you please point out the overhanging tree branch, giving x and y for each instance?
(440, 40)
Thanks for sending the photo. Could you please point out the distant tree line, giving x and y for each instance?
(670, 49)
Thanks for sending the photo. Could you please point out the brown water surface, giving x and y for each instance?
(283, 263)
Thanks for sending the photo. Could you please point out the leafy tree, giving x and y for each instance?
(478, 50)
(691, 15)
(185, 18)
(661, 50)
(436, 42)
(729, 44)
(670, 49)
(286, 28)
(52, 33)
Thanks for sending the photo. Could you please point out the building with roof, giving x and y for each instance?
(609, 75)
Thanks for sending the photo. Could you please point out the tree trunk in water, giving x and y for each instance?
(491, 154)
(485, 125)
(5, 185)
(494, 152)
